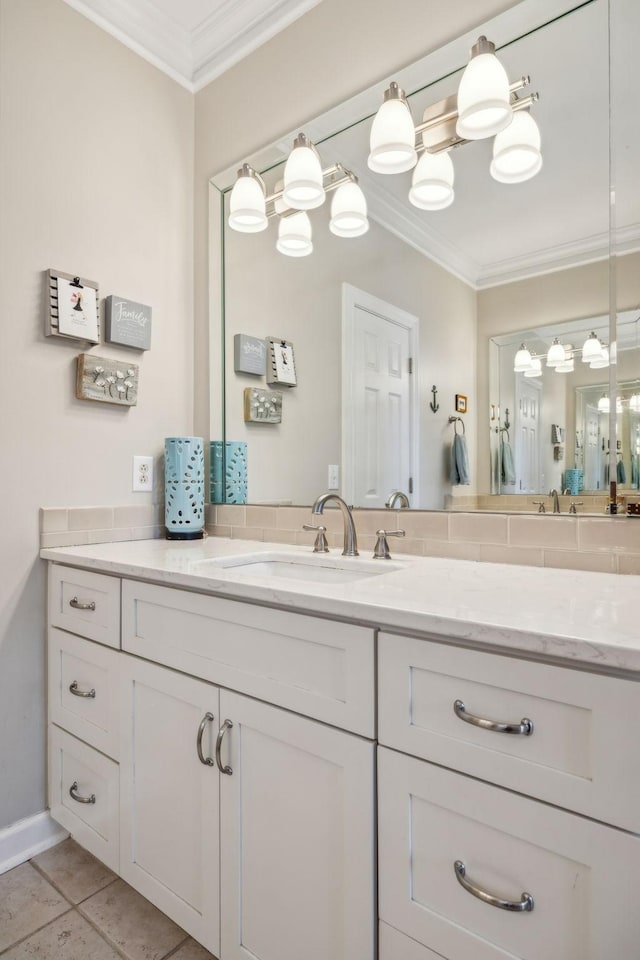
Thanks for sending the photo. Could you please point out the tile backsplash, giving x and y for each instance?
(73, 526)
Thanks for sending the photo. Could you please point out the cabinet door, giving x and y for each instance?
(297, 840)
(169, 799)
(582, 877)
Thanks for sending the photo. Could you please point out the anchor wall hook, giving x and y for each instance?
(435, 406)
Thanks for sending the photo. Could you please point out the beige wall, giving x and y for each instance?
(97, 178)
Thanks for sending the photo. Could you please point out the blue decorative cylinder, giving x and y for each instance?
(228, 471)
(184, 488)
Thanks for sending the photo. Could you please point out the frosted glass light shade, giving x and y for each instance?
(432, 183)
(555, 354)
(634, 403)
(484, 106)
(536, 368)
(392, 141)
(566, 366)
(294, 235)
(516, 150)
(303, 182)
(602, 361)
(349, 211)
(522, 360)
(603, 404)
(591, 349)
(247, 205)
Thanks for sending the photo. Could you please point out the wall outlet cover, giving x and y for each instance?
(142, 479)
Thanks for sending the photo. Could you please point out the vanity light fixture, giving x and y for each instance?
(591, 349)
(535, 369)
(555, 354)
(603, 404)
(567, 365)
(602, 361)
(304, 187)
(522, 361)
(486, 105)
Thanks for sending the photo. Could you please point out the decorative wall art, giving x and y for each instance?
(262, 406)
(127, 322)
(249, 355)
(461, 403)
(72, 307)
(228, 471)
(281, 368)
(109, 381)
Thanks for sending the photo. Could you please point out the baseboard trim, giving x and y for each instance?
(26, 838)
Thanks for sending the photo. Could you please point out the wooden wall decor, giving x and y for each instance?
(108, 381)
(72, 307)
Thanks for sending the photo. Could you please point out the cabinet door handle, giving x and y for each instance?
(227, 725)
(525, 727)
(208, 761)
(76, 796)
(79, 605)
(73, 688)
(518, 906)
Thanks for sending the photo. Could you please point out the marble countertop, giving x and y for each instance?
(577, 617)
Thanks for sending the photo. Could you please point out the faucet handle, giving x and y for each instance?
(321, 545)
(574, 504)
(540, 505)
(381, 550)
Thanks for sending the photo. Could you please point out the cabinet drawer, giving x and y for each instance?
(393, 945)
(76, 770)
(320, 668)
(83, 690)
(85, 603)
(583, 877)
(581, 752)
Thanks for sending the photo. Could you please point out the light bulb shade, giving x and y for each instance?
(591, 349)
(634, 403)
(602, 361)
(484, 98)
(522, 360)
(294, 235)
(303, 181)
(555, 354)
(603, 405)
(618, 404)
(432, 182)
(392, 141)
(516, 150)
(348, 211)
(566, 366)
(536, 368)
(247, 205)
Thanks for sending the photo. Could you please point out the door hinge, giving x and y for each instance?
(410, 484)
(410, 364)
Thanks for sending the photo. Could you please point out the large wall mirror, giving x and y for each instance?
(459, 288)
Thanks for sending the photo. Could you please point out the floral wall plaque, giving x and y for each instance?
(109, 381)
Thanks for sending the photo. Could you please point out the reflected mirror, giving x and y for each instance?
(443, 290)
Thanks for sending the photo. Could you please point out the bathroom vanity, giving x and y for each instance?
(341, 758)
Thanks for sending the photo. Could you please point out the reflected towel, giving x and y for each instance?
(459, 460)
(621, 473)
(508, 469)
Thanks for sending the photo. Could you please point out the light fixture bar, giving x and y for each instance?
(346, 176)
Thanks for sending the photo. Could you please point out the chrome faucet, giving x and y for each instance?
(350, 540)
(556, 503)
(394, 497)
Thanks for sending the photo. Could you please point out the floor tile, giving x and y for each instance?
(191, 951)
(74, 871)
(131, 923)
(68, 938)
(27, 902)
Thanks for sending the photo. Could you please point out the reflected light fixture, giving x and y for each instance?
(567, 365)
(522, 360)
(602, 361)
(535, 370)
(486, 105)
(555, 354)
(603, 404)
(591, 349)
(304, 187)
(634, 403)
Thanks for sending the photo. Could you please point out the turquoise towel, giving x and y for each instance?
(459, 460)
(621, 473)
(508, 469)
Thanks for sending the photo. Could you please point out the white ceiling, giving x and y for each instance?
(193, 41)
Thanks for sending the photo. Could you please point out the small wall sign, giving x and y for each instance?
(281, 368)
(262, 406)
(461, 403)
(127, 322)
(109, 381)
(249, 355)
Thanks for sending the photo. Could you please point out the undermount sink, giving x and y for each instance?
(312, 569)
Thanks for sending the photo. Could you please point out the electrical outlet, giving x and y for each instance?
(333, 477)
(142, 473)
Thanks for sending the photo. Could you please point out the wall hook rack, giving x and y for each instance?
(435, 406)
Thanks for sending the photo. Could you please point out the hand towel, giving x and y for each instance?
(621, 473)
(508, 469)
(460, 460)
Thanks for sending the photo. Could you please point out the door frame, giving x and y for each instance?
(352, 298)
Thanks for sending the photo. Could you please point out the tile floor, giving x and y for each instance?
(66, 905)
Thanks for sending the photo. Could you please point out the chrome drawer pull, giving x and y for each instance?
(227, 725)
(78, 605)
(525, 903)
(76, 796)
(208, 761)
(73, 688)
(525, 727)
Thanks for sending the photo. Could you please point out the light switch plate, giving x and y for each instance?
(333, 477)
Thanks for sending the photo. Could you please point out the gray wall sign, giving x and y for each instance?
(128, 323)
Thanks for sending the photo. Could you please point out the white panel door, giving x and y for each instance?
(169, 837)
(297, 838)
(527, 434)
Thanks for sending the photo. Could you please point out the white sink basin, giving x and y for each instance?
(312, 569)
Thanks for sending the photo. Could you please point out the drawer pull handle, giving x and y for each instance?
(79, 605)
(208, 761)
(525, 727)
(73, 688)
(518, 906)
(76, 796)
(227, 725)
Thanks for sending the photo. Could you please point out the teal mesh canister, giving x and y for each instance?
(184, 488)
(228, 471)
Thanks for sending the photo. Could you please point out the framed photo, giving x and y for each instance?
(281, 368)
(461, 403)
(72, 307)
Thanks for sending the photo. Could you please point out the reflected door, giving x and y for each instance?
(527, 426)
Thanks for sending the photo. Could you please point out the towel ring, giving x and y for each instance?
(454, 421)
